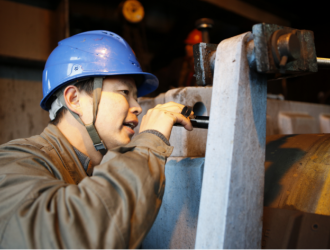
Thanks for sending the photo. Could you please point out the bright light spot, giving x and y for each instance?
(69, 69)
(101, 51)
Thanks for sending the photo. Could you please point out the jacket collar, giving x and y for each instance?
(65, 152)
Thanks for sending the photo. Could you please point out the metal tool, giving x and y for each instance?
(186, 111)
(197, 122)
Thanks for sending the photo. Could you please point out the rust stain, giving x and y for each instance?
(298, 176)
(313, 157)
(98, 39)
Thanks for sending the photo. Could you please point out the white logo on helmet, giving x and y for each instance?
(75, 70)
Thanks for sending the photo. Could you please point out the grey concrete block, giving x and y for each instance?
(325, 123)
(297, 123)
(186, 143)
(230, 213)
(302, 124)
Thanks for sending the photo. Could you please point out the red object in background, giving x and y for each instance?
(194, 37)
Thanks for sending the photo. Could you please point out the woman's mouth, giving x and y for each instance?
(130, 125)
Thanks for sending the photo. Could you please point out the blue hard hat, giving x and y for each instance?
(88, 54)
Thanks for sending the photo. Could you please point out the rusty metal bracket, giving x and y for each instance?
(268, 49)
(278, 51)
(204, 58)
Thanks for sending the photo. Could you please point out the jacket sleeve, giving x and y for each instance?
(114, 208)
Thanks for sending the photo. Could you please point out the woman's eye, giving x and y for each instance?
(126, 92)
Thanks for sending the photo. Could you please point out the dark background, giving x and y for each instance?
(168, 22)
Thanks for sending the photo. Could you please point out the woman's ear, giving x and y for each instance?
(71, 96)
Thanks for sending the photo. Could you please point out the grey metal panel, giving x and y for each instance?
(176, 223)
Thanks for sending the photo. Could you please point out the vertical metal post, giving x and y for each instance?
(230, 214)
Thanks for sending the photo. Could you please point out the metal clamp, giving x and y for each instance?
(100, 146)
(278, 51)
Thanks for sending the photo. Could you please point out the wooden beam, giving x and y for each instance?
(249, 11)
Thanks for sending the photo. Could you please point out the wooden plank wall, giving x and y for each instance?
(28, 35)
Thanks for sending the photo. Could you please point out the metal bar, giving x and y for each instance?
(323, 62)
(198, 122)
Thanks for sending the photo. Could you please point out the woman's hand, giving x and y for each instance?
(162, 118)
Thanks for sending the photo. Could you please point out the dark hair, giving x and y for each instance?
(87, 86)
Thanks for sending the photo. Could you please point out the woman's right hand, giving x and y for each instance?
(163, 117)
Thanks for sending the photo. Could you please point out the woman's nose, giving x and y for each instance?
(136, 109)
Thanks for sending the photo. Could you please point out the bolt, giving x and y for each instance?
(288, 45)
(204, 24)
(285, 48)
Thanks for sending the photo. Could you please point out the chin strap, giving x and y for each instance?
(97, 89)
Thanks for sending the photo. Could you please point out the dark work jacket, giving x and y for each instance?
(48, 201)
